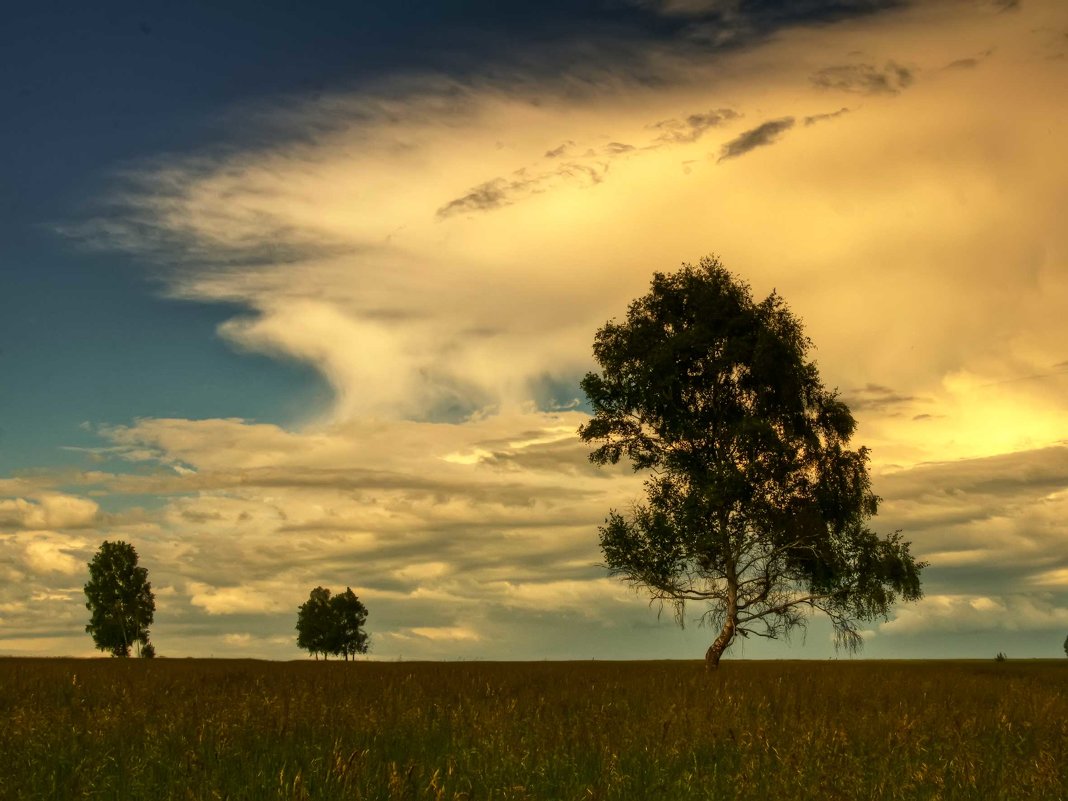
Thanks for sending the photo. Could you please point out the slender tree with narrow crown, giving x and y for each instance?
(120, 601)
(755, 507)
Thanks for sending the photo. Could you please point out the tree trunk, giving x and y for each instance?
(730, 622)
(716, 649)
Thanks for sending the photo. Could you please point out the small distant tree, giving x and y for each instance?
(1066, 646)
(316, 626)
(349, 616)
(120, 601)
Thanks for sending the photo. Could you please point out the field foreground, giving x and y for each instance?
(199, 729)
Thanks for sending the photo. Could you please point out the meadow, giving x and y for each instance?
(224, 729)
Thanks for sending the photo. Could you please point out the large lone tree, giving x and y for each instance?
(756, 506)
(120, 601)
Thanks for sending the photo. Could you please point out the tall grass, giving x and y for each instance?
(189, 729)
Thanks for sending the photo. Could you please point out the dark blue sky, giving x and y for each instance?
(90, 88)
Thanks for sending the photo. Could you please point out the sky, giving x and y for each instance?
(300, 295)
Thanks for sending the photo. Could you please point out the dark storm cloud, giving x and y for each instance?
(764, 134)
(814, 118)
(864, 78)
(692, 127)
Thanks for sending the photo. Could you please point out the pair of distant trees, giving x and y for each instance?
(332, 624)
(122, 606)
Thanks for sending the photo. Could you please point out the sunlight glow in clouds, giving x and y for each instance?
(945, 187)
(443, 254)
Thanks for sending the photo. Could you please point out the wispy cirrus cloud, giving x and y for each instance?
(763, 135)
(692, 127)
(865, 78)
(812, 119)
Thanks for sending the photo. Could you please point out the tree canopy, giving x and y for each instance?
(120, 601)
(756, 507)
(329, 624)
(350, 616)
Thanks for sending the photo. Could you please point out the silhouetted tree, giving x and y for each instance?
(316, 626)
(120, 600)
(349, 616)
(332, 624)
(755, 506)
(1066, 646)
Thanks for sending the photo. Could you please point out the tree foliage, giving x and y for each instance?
(350, 616)
(329, 624)
(755, 506)
(120, 601)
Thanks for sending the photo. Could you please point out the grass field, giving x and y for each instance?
(198, 729)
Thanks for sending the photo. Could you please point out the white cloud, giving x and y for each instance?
(586, 596)
(48, 510)
(931, 194)
(421, 571)
(232, 600)
(977, 613)
(46, 552)
(448, 633)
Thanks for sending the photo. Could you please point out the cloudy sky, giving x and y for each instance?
(301, 296)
